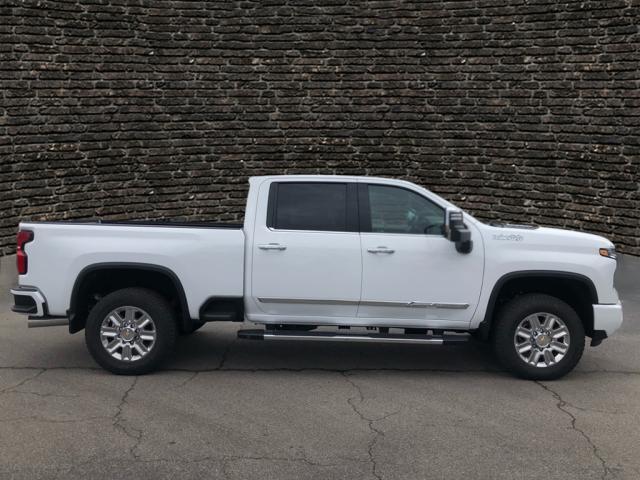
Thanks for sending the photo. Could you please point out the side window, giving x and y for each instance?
(309, 206)
(396, 210)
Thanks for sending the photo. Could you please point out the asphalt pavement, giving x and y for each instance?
(240, 409)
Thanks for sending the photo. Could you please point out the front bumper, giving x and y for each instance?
(607, 318)
(30, 301)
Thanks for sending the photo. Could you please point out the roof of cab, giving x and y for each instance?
(311, 177)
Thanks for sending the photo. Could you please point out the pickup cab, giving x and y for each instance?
(324, 258)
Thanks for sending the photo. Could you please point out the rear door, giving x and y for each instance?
(307, 261)
(412, 275)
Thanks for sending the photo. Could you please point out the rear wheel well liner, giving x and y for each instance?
(543, 281)
(143, 275)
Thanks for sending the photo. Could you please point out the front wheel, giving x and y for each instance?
(131, 331)
(538, 337)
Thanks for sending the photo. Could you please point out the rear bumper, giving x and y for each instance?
(30, 301)
(607, 318)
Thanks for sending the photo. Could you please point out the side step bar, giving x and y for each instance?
(446, 339)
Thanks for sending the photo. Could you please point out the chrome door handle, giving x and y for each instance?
(272, 246)
(380, 250)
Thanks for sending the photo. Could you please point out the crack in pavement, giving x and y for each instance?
(225, 354)
(23, 381)
(355, 402)
(195, 373)
(188, 379)
(377, 433)
(136, 433)
(561, 405)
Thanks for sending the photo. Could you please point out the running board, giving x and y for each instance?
(446, 339)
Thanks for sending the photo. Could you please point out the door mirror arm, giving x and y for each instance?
(456, 231)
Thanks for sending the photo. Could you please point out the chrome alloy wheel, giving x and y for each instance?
(542, 340)
(128, 333)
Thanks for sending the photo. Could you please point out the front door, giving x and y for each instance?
(307, 262)
(412, 275)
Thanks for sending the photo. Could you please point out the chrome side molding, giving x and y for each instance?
(306, 301)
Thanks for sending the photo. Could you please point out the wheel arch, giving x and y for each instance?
(161, 279)
(580, 293)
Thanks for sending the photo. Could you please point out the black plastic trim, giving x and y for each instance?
(597, 337)
(353, 223)
(29, 307)
(485, 326)
(236, 302)
(271, 205)
(364, 207)
(77, 323)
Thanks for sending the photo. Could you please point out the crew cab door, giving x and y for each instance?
(307, 261)
(411, 274)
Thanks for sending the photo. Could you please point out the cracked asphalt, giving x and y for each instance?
(233, 409)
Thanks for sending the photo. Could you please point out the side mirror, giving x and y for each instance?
(456, 231)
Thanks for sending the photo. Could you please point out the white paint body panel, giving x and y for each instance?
(206, 260)
(607, 317)
(424, 269)
(331, 274)
(509, 251)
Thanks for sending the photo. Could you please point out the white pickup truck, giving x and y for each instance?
(378, 260)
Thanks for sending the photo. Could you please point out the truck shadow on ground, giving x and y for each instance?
(214, 350)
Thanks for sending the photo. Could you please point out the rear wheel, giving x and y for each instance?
(538, 337)
(131, 331)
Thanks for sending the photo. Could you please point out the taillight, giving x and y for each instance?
(24, 237)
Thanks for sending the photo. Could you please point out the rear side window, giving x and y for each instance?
(308, 206)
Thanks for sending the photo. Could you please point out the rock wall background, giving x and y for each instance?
(524, 110)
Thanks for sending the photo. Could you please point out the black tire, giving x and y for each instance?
(163, 319)
(518, 309)
(195, 326)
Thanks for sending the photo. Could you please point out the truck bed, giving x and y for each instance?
(205, 257)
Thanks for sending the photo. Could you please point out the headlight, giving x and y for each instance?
(609, 252)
